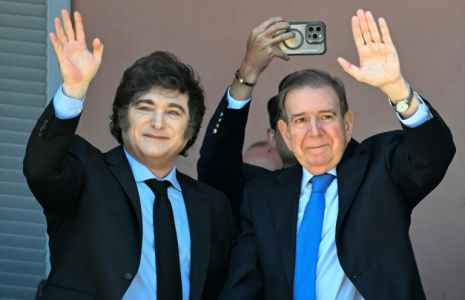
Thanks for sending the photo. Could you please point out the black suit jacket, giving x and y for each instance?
(93, 213)
(380, 181)
(220, 164)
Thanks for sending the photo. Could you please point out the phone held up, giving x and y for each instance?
(310, 39)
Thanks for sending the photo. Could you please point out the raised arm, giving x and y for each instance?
(220, 164)
(53, 171)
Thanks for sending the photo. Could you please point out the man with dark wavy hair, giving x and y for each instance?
(126, 224)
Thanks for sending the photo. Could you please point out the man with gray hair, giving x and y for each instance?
(335, 226)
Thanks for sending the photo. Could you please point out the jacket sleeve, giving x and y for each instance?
(53, 174)
(419, 163)
(220, 164)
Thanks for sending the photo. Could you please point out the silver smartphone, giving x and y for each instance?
(310, 39)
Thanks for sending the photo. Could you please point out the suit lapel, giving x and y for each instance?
(284, 201)
(350, 172)
(119, 166)
(198, 212)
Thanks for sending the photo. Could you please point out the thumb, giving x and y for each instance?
(349, 68)
(98, 49)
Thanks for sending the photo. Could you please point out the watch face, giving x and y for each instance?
(402, 106)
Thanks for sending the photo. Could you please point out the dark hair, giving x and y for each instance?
(274, 112)
(314, 78)
(159, 69)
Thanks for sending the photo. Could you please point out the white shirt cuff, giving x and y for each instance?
(421, 115)
(66, 107)
(235, 104)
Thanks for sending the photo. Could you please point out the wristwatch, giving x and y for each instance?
(402, 105)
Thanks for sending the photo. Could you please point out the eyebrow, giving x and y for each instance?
(151, 102)
(332, 111)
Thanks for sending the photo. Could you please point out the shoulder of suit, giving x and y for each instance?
(380, 140)
(80, 146)
(270, 178)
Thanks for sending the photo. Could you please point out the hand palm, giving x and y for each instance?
(77, 63)
(379, 64)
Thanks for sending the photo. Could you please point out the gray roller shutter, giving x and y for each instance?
(23, 96)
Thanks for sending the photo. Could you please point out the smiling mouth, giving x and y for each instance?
(156, 137)
(317, 147)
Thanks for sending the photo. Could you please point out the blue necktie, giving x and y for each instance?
(308, 239)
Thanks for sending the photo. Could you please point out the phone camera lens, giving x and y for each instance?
(315, 36)
(310, 28)
(318, 29)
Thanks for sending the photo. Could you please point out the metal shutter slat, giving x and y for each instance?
(21, 215)
(23, 99)
(25, 9)
(22, 86)
(18, 21)
(17, 254)
(23, 47)
(21, 34)
(21, 73)
(17, 60)
(12, 150)
(12, 176)
(14, 137)
(17, 124)
(19, 267)
(16, 111)
(22, 228)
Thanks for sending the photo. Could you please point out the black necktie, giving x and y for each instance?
(169, 286)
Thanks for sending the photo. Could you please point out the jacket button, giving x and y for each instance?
(128, 276)
(215, 131)
(46, 121)
(40, 134)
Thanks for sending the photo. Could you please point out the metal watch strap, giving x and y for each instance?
(242, 80)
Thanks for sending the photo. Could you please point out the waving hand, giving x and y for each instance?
(78, 65)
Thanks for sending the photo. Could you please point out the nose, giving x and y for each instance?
(158, 119)
(314, 128)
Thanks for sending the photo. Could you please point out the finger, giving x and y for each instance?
(349, 68)
(56, 45)
(67, 24)
(375, 36)
(385, 31)
(282, 37)
(80, 35)
(364, 26)
(262, 27)
(60, 34)
(279, 53)
(276, 27)
(357, 32)
(98, 49)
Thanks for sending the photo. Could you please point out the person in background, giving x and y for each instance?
(261, 154)
(221, 163)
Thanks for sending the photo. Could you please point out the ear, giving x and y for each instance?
(271, 134)
(349, 123)
(284, 129)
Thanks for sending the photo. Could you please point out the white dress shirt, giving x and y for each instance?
(144, 284)
(331, 281)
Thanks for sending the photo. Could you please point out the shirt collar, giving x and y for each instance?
(306, 176)
(142, 173)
